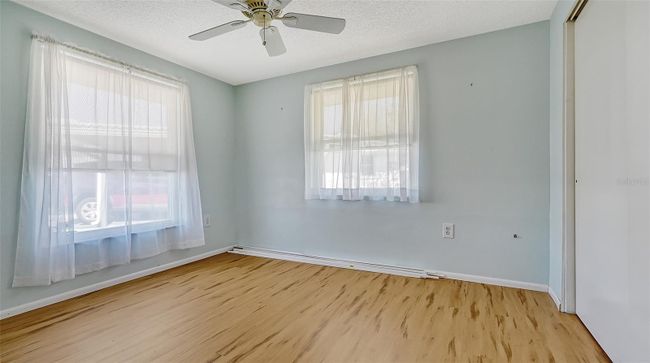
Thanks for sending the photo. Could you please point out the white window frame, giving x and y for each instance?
(93, 233)
(316, 147)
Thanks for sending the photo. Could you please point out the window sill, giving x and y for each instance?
(96, 233)
(325, 195)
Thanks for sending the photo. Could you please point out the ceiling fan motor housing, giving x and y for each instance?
(259, 14)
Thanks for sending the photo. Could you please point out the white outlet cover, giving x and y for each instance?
(448, 230)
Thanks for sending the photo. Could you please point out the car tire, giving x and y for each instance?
(86, 210)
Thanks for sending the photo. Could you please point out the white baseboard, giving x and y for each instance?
(393, 270)
(555, 298)
(496, 281)
(104, 284)
(325, 261)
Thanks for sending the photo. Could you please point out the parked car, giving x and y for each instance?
(148, 198)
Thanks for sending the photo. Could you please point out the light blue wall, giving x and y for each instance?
(212, 107)
(556, 144)
(484, 163)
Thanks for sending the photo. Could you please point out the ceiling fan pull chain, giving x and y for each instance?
(264, 33)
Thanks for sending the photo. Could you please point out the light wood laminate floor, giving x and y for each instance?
(241, 308)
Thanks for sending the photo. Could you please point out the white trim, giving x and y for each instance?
(556, 299)
(104, 284)
(496, 281)
(96, 233)
(326, 261)
(387, 269)
(568, 290)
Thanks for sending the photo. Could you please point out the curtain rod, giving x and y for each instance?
(355, 76)
(104, 57)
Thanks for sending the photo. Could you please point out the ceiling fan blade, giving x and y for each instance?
(317, 23)
(277, 4)
(218, 30)
(233, 4)
(273, 41)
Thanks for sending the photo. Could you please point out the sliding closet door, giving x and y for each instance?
(612, 106)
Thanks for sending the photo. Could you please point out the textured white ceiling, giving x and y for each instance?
(161, 27)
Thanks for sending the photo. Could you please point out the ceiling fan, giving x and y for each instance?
(262, 13)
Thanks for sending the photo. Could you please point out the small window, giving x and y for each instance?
(361, 137)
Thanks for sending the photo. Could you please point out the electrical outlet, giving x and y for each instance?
(207, 220)
(448, 230)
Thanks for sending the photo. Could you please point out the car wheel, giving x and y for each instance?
(86, 210)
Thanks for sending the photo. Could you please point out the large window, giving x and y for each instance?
(361, 137)
(124, 149)
(109, 170)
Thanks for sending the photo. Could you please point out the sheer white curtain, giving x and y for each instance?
(109, 170)
(361, 137)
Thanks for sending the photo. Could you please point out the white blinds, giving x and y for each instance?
(361, 137)
(120, 119)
